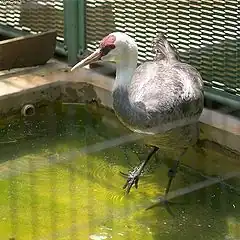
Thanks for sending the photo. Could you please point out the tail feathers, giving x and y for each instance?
(163, 49)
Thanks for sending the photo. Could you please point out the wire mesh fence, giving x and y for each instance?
(59, 170)
(33, 16)
(206, 33)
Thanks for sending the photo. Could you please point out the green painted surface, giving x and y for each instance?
(82, 198)
(71, 30)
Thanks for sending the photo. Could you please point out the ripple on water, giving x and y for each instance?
(99, 171)
(106, 178)
(103, 172)
(115, 197)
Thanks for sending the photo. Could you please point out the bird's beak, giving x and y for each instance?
(95, 56)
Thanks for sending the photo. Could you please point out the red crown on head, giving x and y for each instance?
(108, 40)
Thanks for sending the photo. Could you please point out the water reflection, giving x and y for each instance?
(83, 199)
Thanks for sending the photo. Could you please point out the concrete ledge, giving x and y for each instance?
(54, 82)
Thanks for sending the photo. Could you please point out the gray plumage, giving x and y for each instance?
(161, 99)
(161, 93)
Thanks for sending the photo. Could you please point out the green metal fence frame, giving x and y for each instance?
(75, 45)
(74, 29)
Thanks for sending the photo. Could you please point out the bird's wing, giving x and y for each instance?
(168, 93)
(163, 49)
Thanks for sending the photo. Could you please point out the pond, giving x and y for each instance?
(52, 190)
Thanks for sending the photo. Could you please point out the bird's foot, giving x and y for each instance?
(163, 201)
(132, 179)
(133, 176)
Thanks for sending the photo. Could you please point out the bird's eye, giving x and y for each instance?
(105, 50)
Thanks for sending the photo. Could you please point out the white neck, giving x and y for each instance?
(125, 67)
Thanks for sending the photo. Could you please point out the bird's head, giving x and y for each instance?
(112, 48)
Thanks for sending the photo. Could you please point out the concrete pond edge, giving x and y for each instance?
(54, 82)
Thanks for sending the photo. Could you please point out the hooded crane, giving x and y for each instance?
(161, 99)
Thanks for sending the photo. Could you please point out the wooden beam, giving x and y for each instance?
(27, 51)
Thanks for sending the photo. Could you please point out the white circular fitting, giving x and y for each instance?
(28, 110)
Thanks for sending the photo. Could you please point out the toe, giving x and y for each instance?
(125, 175)
(136, 183)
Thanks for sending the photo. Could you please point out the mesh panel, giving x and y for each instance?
(206, 33)
(33, 16)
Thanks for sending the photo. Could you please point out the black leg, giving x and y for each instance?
(171, 174)
(133, 176)
(164, 200)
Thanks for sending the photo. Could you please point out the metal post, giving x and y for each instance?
(224, 98)
(71, 29)
(81, 26)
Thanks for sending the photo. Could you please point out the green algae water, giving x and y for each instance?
(49, 189)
